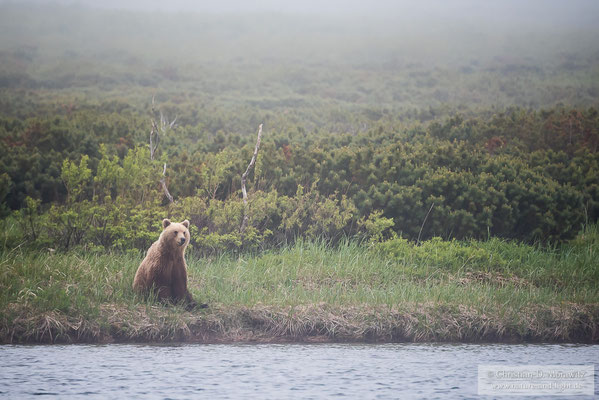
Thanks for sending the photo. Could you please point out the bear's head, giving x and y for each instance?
(175, 235)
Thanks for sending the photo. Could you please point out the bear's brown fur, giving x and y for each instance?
(164, 269)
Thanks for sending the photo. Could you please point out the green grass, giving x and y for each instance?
(440, 290)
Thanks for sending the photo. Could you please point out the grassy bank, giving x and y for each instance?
(395, 291)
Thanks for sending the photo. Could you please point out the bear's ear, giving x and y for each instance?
(165, 223)
(185, 224)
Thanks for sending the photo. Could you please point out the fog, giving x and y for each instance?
(539, 11)
(381, 53)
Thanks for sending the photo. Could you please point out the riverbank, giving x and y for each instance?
(439, 291)
(316, 323)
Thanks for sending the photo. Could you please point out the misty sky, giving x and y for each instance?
(547, 11)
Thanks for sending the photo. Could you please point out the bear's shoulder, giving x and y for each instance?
(154, 248)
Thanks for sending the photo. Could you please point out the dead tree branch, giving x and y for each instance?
(246, 217)
(424, 222)
(164, 187)
(155, 132)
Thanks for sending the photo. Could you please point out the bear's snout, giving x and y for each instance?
(181, 241)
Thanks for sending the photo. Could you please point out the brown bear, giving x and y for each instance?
(164, 269)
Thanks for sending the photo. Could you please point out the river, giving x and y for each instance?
(218, 371)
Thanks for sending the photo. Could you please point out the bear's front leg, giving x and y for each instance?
(179, 289)
(164, 294)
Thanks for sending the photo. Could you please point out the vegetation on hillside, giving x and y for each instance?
(352, 142)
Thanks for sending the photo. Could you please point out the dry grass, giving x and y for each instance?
(421, 322)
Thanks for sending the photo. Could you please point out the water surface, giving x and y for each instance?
(265, 371)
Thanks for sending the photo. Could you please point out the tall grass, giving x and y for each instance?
(439, 290)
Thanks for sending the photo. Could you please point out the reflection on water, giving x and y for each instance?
(265, 371)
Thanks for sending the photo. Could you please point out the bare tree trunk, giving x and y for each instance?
(154, 137)
(246, 217)
(164, 187)
(153, 133)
